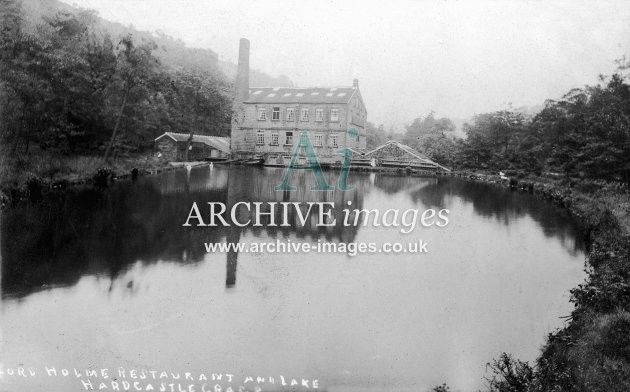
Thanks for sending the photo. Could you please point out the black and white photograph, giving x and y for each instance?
(337, 195)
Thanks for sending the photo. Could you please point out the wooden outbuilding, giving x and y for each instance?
(172, 146)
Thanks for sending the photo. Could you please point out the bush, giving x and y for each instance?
(510, 375)
(102, 177)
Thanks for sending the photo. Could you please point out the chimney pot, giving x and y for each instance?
(355, 83)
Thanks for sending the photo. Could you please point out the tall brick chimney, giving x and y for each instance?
(242, 74)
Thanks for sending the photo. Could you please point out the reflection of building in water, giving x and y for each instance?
(144, 221)
(85, 232)
(268, 120)
(254, 185)
(258, 185)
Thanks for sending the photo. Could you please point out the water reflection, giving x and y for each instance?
(506, 206)
(88, 232)
(117, 273)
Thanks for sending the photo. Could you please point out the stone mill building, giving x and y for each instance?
(268, 121)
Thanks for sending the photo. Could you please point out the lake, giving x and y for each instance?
(94, 280)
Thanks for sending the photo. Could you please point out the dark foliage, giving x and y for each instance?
(510, 375)
(586, 135)
(68, 88)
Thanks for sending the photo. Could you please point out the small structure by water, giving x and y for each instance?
(394, 154)
(172, 147)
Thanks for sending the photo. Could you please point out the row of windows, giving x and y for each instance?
(304, 114)
(317, 142)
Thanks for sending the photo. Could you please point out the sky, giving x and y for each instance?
(455, 58)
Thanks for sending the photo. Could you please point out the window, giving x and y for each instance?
(289, 138)
(319, 115)
(262, 115)
(274, 139)
(260, 138)
(304, 114)
(275, 114)
(333, 141)
(319, 140)
(290, 114)
(334, 114)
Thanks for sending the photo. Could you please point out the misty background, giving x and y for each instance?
(411, 57)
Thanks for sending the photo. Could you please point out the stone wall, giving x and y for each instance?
(246, 128)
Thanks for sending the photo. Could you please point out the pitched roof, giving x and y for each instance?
(220, 143)
(339, 95)
(408, 150)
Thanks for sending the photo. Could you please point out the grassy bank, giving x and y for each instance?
(586, 199)
(592, 351)
(20, 174)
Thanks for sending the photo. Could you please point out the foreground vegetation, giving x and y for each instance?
(592, 351)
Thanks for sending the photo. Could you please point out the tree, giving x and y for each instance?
(375, 135)
(134, 68)
(493, 139)
(433, 137)
(67, 89)
(20, 76)
(428, 127)
(510, 375)
(587, 132)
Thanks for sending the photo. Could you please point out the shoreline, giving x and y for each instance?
(593, 348)
(30, 186)
(595, 340)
